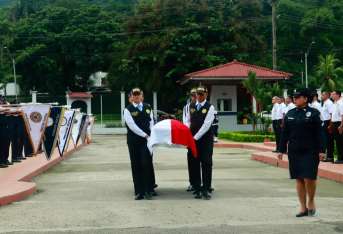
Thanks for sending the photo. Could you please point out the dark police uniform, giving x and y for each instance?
(141, 160)
(202, 166)
(303, 134)
(4, 140)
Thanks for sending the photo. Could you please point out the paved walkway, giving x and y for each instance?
(91, 192)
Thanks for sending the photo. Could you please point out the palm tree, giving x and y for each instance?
(328, 73)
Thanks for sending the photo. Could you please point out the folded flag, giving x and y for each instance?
(171, 132)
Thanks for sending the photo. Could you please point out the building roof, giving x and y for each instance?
(236, 70)
(80, 95)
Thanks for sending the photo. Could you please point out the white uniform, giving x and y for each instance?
(289, 107)
(316, 105)
(327, 110)
(282, 110)
(275, 111)
(337, 111)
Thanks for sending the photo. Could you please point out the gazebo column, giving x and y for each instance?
(254, 105)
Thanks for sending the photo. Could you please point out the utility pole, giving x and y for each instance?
(306, 56)
(274, 33)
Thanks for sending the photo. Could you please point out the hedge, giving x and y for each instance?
(246, 136)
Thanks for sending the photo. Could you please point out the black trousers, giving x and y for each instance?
(192, 163)
(328, 140)
(141, 166)
(339, 140)
(17, 131)
(4, 139)
(277, 131)
(28, 150)
(215, 130)
(203, 164)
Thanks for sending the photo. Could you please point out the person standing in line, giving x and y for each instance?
(215, 126)
(337, 124)
(326, 114)
(277, 117)
(315, 103)
(191, 162)
(201, 119)
(289, 104)
(139, 121)
(302, 140)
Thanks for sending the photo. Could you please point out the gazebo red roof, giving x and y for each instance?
(236, 70)
(80, 95)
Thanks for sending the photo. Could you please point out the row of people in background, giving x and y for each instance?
(331, 114)
(14, 136)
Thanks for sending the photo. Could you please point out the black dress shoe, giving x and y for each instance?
(8, 163)
(206, 195)
(190, 188)
(302, 214)
(275, 151)
(139, 197)
(2, 165)
(211, 190)
(311, 213)
(197, 195)
(154, 193)
(328, 160)
(148, 196)
(22, 158)
(29, 156)
(155, 186)
(338, 162)
(16, 160)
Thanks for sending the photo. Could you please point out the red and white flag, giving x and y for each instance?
(171, 132)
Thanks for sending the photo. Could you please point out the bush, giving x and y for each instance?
(247, 136)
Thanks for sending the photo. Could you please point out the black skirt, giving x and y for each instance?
(303, 165)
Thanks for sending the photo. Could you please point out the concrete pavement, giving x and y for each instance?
(92, 193)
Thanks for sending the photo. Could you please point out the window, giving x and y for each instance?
(224, 105)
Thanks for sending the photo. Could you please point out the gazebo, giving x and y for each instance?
(226, 91)
(82, 100)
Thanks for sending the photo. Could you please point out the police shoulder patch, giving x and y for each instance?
(148, 111)
(204, 111)
(192, 110)
(308, 114)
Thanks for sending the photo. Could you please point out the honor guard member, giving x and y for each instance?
(326, 114)
(277, 117)
(186, 121)
(201, 119)
(337, 124)
(139, 121)
(215, 126)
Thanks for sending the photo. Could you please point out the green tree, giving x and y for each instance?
(329, 75)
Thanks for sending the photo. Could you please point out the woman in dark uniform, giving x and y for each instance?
(303, 135)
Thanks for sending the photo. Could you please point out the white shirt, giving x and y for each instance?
(316, 105)
(132, 125)
(327, 110)
(185, 115)
(337, 112)
(207, 122)
(274, 111)
(289, 107)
